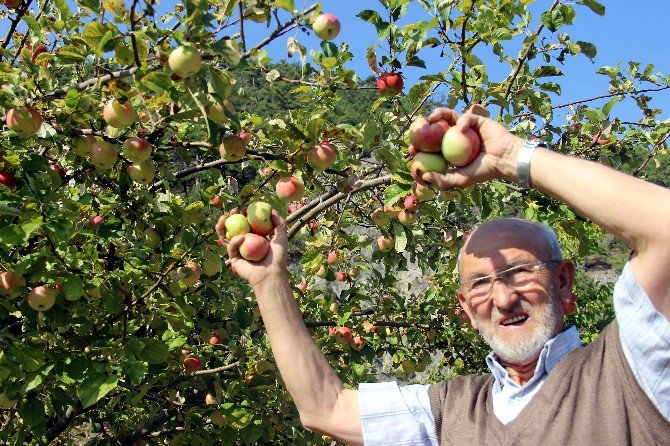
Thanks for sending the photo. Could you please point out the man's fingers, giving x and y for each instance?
(220, 227)
(234, 246)
(456, 179)
(280, 235)
(470, 121)
(446, 114)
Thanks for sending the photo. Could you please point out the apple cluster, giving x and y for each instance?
(254, 224)
(345, 336)
(436, 145)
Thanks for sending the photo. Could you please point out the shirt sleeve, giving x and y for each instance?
(645, 339)
(396, 416)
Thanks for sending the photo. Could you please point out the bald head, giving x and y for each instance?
(501, 233)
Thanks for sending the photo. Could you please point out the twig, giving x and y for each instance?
(244, 42)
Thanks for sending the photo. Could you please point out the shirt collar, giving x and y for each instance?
(553, 351)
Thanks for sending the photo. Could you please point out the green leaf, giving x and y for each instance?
(135, 370)
(588, 49)
(71, 54)
(154, 351)
(594, 6)
(95, 387)
(400, 237)
(12, 235)
(94, 33)
(32, 411)
(394, 192)
(157, 81)
(288, 5)
(73, 288)
(29, 359)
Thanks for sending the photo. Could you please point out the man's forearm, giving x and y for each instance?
(306, 372)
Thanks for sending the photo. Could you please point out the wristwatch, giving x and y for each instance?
(523, 162)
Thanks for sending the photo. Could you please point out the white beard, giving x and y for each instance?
(523, 348)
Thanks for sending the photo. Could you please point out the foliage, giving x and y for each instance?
(104, 364)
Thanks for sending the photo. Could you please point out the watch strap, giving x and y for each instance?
(523, 163)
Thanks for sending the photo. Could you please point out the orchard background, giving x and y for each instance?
(104, 365)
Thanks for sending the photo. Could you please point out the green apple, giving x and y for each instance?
(185, 61)
(142, 173)
(103, 155)
(236, 224)
(152, 238)
(232, 148)
(42, 298)
(216, 112)
(326, 26)
(82, 145)
(137, 149)
(259, 216)
(460, 148)
(118, 115)
(23, 120)
(385, 244)
(427, 162)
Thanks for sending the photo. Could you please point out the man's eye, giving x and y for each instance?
(480, 283)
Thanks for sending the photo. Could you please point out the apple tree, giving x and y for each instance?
(129, 128)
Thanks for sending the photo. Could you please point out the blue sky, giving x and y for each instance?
(625, 33)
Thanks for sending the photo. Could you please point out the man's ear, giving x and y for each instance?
(565, 281)
(466, 307)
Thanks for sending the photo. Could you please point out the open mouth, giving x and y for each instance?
(514, 321)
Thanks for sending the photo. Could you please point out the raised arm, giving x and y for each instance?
(323, 403)
(634, 210)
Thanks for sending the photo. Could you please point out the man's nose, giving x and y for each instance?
(503, 295)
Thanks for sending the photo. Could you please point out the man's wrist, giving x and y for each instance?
(272, 281)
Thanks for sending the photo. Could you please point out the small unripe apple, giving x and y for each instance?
(407, 218)
(290, 189)
(42, 298)
(246, 136)
(82, 145)
(354, 272)
(411, 203)
(322, 272)
(380, 217)
(95, 221)
(191, 364)
(254, 247)
(137, 149)
(427, 162)
(357, 343)
(215, 339)
(389, 84)
(236, 224)
(118, 115)
(103, 155)
(426, 136)
(23, 120)
(408, 367)
(142, 173)
(209, 399)
(333, 257)
(232, 148)
(259, 216)
(152, 238)
(302, 286)
(343, 335)
(341, 276)
(185, 61)
(326, 26)
(423, 192)
(216, 113)
(8, 179)
(321, 157)
(385, 244)
(460, 148)
(192, 271)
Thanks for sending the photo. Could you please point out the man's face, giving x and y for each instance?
(514, 322)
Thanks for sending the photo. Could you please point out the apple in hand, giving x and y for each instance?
(290, 189)
(8, 179)
(82, 145)
(427, 162)
(426, 136)
(460, 148)
(326, 26)
(118, 115)
(236, 224)
(259, 216)
(142, 173)
(232, 148)
(137, 149)
(23, 120)
(254, 247)
(321, 157)
(389, 84)
(191, 364)
(185, 61)
(42, 298)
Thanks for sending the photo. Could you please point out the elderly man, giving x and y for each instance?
(545, 387)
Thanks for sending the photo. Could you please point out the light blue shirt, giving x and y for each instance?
(396, 416)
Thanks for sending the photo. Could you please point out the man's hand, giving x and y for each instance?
(499, 152)
(274, 262)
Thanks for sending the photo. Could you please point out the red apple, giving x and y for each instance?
(333, 257)
(259, 216)
(254, 247)
(217, 202)
(185, 61)
(321, 157)
(56, 168)
(42, 298)
(95, 221)
(460, 148)
(290, 189)
(118, 115)
(411, 203)
(232, 148)
(137, 149)
(357, 343)
(427, 162)
(426, 136)
(192, 271)
(326, 26)
(33, 53)
(23, 120)
(8, 179)
(103, 155)
(294, 207)
(10, 281)
(191, 364)
(341, 276)
(389, 84)
(302, 286)
(344, 335)
(314, 225)
(215, 339)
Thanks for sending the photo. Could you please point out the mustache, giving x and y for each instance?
(521, 306)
